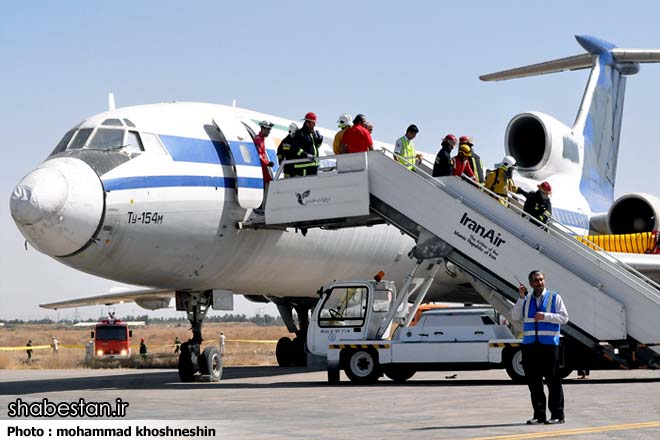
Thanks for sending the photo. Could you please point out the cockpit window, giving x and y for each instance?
(61, 146)
(152, 144)
(129, 123)
(106, 139)
(81, 138)
(133, 143)
(112, 122)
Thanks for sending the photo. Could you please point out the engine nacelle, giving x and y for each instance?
(542, 145)
(632, 213)
(154, 303)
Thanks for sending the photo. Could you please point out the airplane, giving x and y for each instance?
(155, 195)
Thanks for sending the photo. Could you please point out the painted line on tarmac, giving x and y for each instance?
(565, 432)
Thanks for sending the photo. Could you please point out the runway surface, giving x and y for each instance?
(288, 403)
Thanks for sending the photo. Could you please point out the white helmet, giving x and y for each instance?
(344, 120)
(266, 124)
(293, 128)
(508, 162)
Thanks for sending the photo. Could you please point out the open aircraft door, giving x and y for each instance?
(249, 182)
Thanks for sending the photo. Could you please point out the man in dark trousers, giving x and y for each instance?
(442, 165)
(306, 144)
(542, 315)
(29, 350)
(537, 203)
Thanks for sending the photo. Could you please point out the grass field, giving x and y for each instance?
(158, 338)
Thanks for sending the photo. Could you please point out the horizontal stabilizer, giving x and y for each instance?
(636, 55)
(139, 295)
(569, 63)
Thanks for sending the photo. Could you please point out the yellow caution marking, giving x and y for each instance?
(565, 432)
(44, 347)
(504, 344)
(341, 346)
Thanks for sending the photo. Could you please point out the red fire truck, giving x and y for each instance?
(112, 339)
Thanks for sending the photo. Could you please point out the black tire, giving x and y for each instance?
(399, 374)
(185, 364)
(299, 357)
(333, 376)
(513, 364)
(565, 372)
(362, 367)
(210, 363)
(284, 352)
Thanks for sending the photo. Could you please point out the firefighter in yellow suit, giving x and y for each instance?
(499, 180)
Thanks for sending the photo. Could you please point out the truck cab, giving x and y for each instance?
(112, 339)
(350, 311)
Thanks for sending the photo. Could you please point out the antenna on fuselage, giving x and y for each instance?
(111, 101)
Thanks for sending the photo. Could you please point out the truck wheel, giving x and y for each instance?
(400, 374)
(362, 367)
(185, 364)
(284, 352)
(514, 366)
(210, 362)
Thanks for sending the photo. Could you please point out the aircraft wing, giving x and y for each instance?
(647, 264)
(147, 298)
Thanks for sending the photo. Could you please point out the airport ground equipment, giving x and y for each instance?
(351, 324)
(613, 309)
(112, 339)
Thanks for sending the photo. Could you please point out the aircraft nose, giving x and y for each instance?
(58, 207)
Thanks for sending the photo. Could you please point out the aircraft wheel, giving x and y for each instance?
(284, 352)
(185, 364)
(210, 362)
(513, 364)
(400, 374)
(362, 367)
(333, 376)
(299, 357)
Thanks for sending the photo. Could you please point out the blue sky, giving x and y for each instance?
(399, 63)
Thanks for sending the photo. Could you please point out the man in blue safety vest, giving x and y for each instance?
(542, 315)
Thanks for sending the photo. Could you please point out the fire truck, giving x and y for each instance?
(112, 339)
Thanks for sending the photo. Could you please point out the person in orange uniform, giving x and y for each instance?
(344, 123)
(260, 143)
(357, 138)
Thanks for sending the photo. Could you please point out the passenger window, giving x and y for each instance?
(112, 122)
(80, 139)
(106, 139)
(61, 145)
(129, 123)
(152, 144)
(133, 143)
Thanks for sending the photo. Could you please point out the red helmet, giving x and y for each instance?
(465, 140)
(311, 116)
(545, 187)
(451, 139)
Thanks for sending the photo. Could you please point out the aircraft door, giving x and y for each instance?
(249, 182)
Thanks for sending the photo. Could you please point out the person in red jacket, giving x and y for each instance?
(357, 138)
(462, 162)
(260, 143)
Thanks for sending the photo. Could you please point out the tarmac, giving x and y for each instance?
(290, 403)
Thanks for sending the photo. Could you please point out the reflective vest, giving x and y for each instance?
(407, 154)
(545, 332)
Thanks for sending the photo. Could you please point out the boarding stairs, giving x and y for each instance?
(613, 309)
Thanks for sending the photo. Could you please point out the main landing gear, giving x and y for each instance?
(291, 352)
(195, 364)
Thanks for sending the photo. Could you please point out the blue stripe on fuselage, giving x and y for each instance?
(184, 149)
(136, 182)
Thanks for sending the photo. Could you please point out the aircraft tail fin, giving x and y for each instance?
(600, 114)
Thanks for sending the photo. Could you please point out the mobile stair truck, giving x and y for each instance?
(613, 309)
(351, 322)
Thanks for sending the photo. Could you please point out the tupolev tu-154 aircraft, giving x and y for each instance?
(153, 195)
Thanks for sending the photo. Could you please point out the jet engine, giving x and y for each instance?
(632, 213)
(542, 145)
